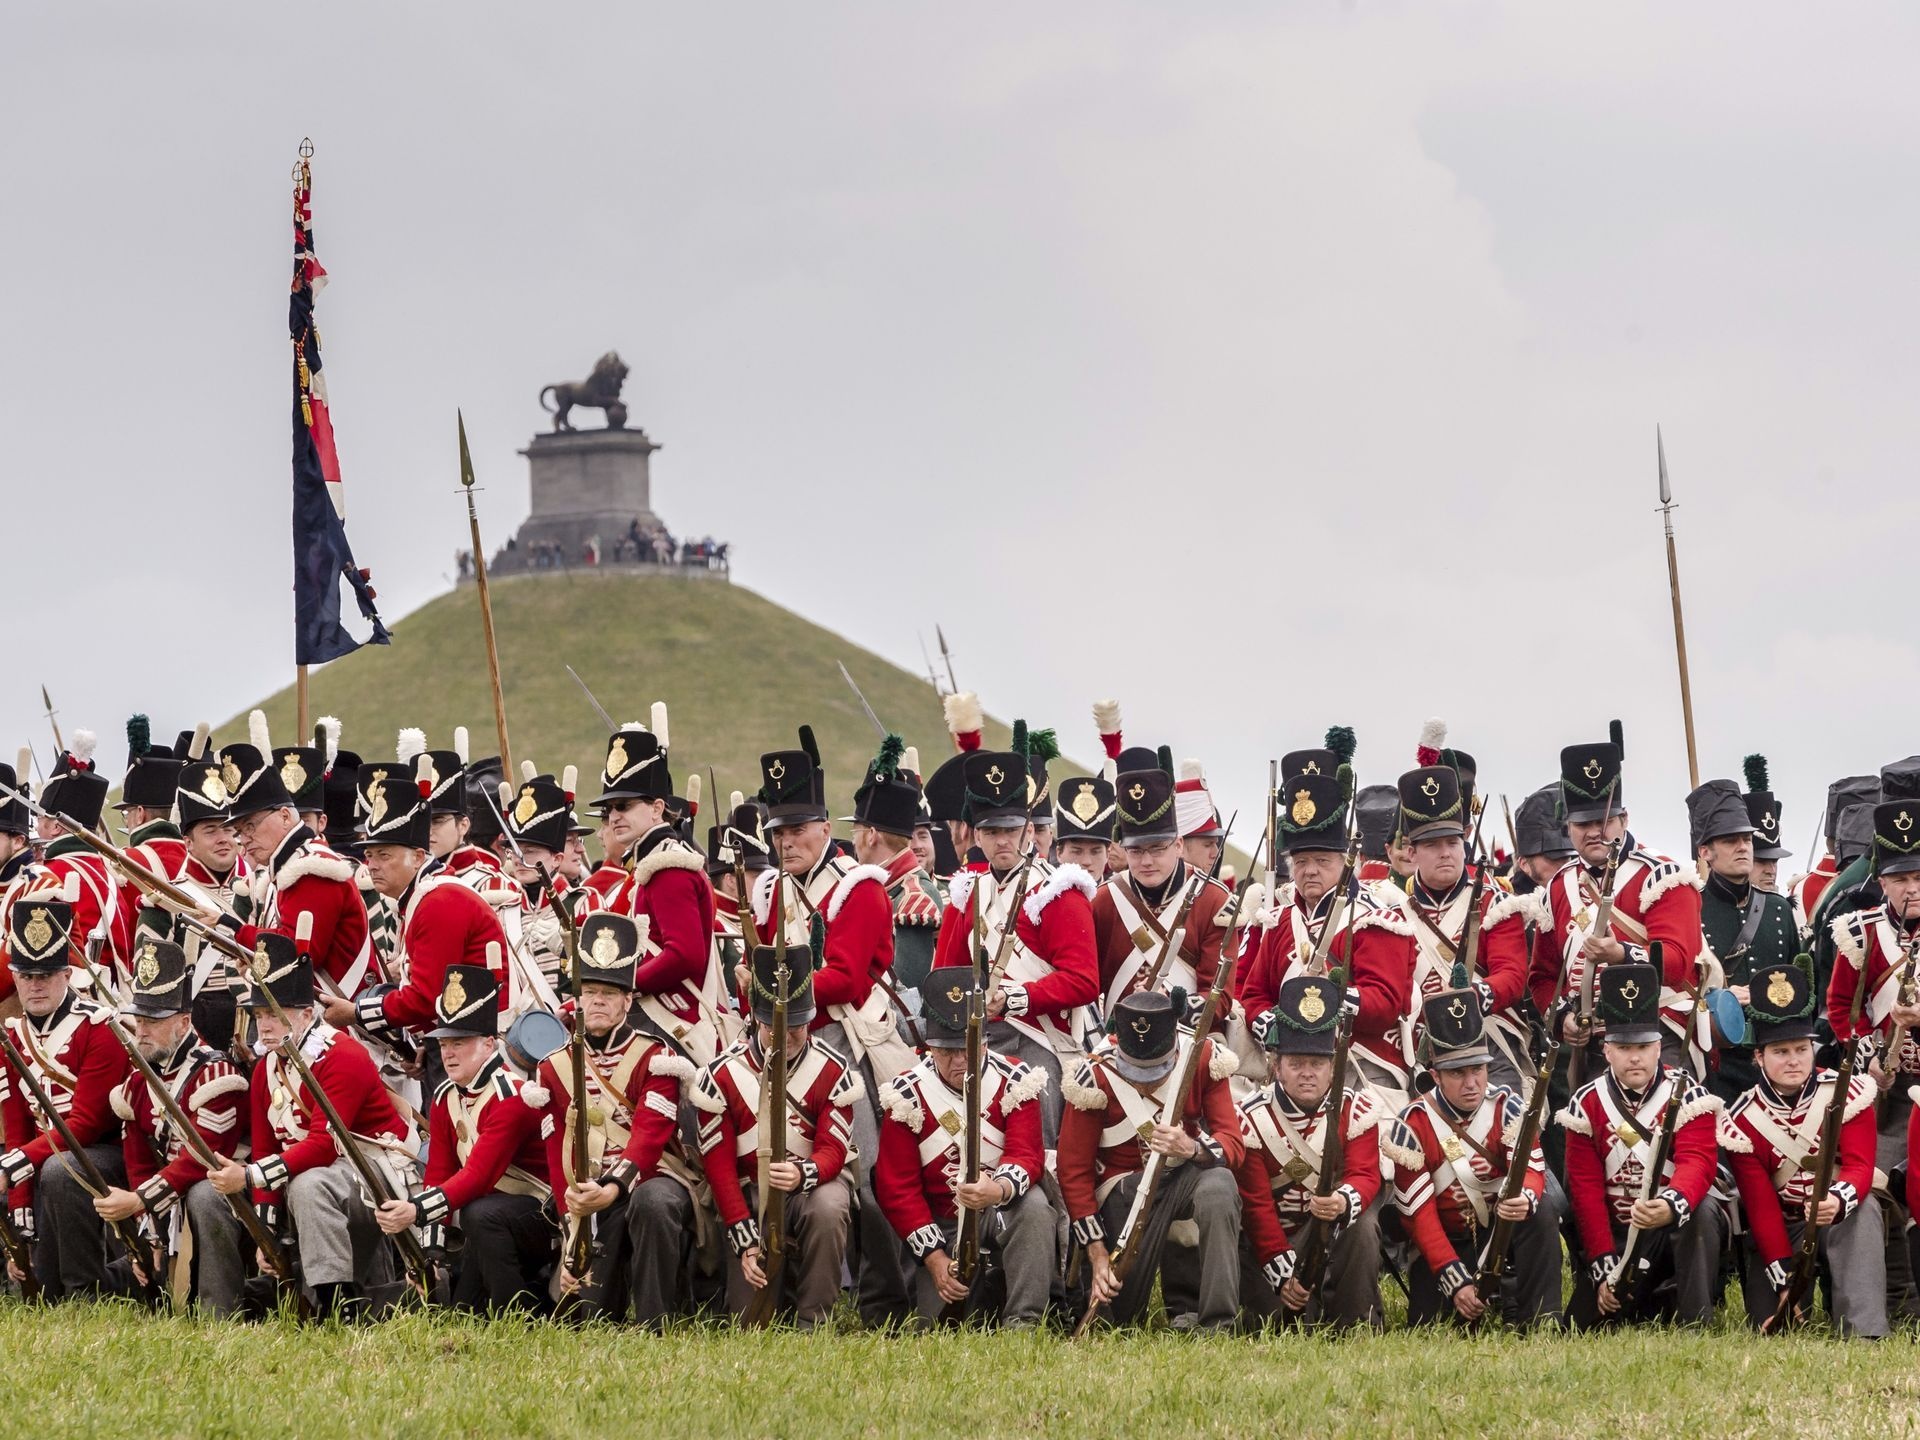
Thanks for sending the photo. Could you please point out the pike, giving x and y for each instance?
(598, 708)
(862, 699)
(46, 701)
(773, 1200)
(1679, 624)
(932, 678)
(946, 655)
(486, 601)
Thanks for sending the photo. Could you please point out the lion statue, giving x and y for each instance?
(599, 391)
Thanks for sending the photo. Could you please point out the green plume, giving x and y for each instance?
(1342, 742)
(1043, 745)
(1165, 757)
(886, 764)
(139, 736)
(1756, 768)
(1020, 738)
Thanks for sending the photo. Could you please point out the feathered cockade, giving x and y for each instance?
(810, 746)
(1618, 737)
(139, 736)
(1043, 745)
(1342, 742)
(886, 765)
(1020, 737)
(1756, 768)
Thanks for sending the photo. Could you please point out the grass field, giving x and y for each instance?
(108, 1371)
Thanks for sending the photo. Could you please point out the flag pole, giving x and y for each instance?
(1679, 622)
(300, 699)
(486, 603)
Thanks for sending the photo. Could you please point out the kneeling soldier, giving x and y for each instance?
(485, 1155)
(641, 1194)
(1117, 1102)
(1287, 1140)
(1614, 1125)
(161, 1171)
(1772, 1135)
(1452, 1149)
(821, 1091)
(919, 1179)
(296, 1167)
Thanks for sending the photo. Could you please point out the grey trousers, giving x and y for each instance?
(1688, 1255)
(333, 1228)
(1856, 1256)
(1529, 1288)
(70, 1251)
(1004, 1039)
(818, 1222)
(1215, 1209)
(641, 1256)
(220, 1249)
(1021, 1237)
(1349, 1293)
(509, 1243)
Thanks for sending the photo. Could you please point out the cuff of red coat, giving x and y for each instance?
(1848, 1197)
(371, 1012)
(1014, 1175)
(1089, 1231)
(16, 1167)
(623, 1175)
(743, 1235)
(1777, 1274)
(1485, 991)
(1452, 1277)
(1208, 1151)
(268, 1174)
(1682, 1210)
(1355, 1204)
(157, 1195)
(809, 1177)
(1016, 994)
(1279, 1269)
(924, 1241)
(1600, 1270)
(430, 1206)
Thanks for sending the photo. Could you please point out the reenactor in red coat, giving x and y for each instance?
(146, 812)
(486, 1155)
(1084, 824)
(1615, 1127)
(920, 1179)
(1120, 1109)
(296, 1173)
(644, 1195)
(1452, 1150)
(1772, 1136)
(822, 1089)
(1286, 1129)
(165, 1179)
(63, 1037)
(77, 792)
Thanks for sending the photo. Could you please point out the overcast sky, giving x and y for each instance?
(1265, 366)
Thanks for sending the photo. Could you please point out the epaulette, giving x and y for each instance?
(1024, 1082)
(1083, 1091)
(848, 1088)
(1393, 920)
(1662, 875)
(1063, 879)
(900, 1099)
(1532, 908)
(1402, 1145)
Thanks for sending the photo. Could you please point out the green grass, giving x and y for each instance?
(110, 1371)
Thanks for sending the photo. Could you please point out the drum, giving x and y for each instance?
(1729, 1017)
(532, 1038)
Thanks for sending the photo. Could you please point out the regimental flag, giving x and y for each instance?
(321, 554)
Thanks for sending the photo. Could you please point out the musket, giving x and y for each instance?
(967, 1250)
(598, 708)
(1213, 870)
(1493, 1259)
(1470, 937)
(1186, 1074)
(1003, 954)
(1909, 993)
(1806, 1258)
(59, 745)
(192, 1139)
(486, 602)
(1316, 1245)
(1267, 875)
(1513, 835)
(577, 1246)
(84, 1170)
(1601, 928)
(862, 699)
(1174, 931)
(946, 655)
(773, 1200)
(1679, 624)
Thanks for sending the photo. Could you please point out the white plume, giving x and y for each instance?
(198, 746)
(411, 743)
(964, 715)
(527, 771)
(658, 715)
(1190, 770)
(910, 759)
(1106, 716)
(735, 801)
(1433, 734)
(693, 793)
(570, 781)
(23, 767)
(257, 732)
(330, 728)
(460, 742)
(85, 742)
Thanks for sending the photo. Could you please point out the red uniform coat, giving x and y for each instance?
(857, 948)
(1808, 889)
(444, 923)
(307, 878)
(1873, 943)
(160, 1166)
(1605, 1174)
(1130, 951)
(1772, 1144)
(1100, 1141)
(667, 891)
(923, 1142)
(290, 1134)
(483, 1137)
(821, 1091)
(1381, 943)
(158, 846)
(99, 894)
(77, 1062)
(1053, 969)
(1273, 1198)
(1447, 1191)
(634, 1082)
(1654, 899)
(1439, 937)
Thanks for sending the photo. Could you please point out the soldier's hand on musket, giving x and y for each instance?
(590, 1197)
(229, 1179)
(1327, 1207)
(1907, 1015)
(751, 1269)
(997, 1005)
(1574, 1030)
(1104, 1283)
(1174, 1142)
(1882, 1077)
(393, 1216)
(1604, 1297)
(945, 1281)
(983, 1194)
(568, 1281)
(1467, 1303)
(784, 1175)
(16, 1274)
(339, 1012)
(118, 1204)
(742, 978)
(261, 1262)
(1829, 1210)
(1653, 1214)
(1517, 1209)
(1603, 950)
(1294, 1295)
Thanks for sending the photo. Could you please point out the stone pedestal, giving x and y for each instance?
(584, 483)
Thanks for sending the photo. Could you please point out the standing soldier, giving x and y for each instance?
(64, 1038)
(1614, 1126)
(1051, 973)
(1163, 914)
(165, 1179)
(1083, 809)
(1116, 1100)
(303, 770)
(1763, 809)
(885, 816)
(738, 843)
(1286, 1125)
(920, 1178)
(1452, 1150)
(1809, 889)
(1377, 810)
(648, 1202)
(821, 1091)
(486, 1161)
(296, 1169)
(450, 844)
(1653, 898)
(1432, 818)
(215, 870)
(146, 811)
(1745, 929)
(539, 819)
(1540, 836)
(1772, 1136)
(77, 792)
(677, 988)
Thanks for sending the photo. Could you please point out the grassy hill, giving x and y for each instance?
(738, 674)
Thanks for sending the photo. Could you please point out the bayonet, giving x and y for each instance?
(46, 700)
(598, 708)
(861, 698)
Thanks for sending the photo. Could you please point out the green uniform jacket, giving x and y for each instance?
(1777, 941)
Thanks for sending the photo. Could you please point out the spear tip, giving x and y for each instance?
(1660, 446)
